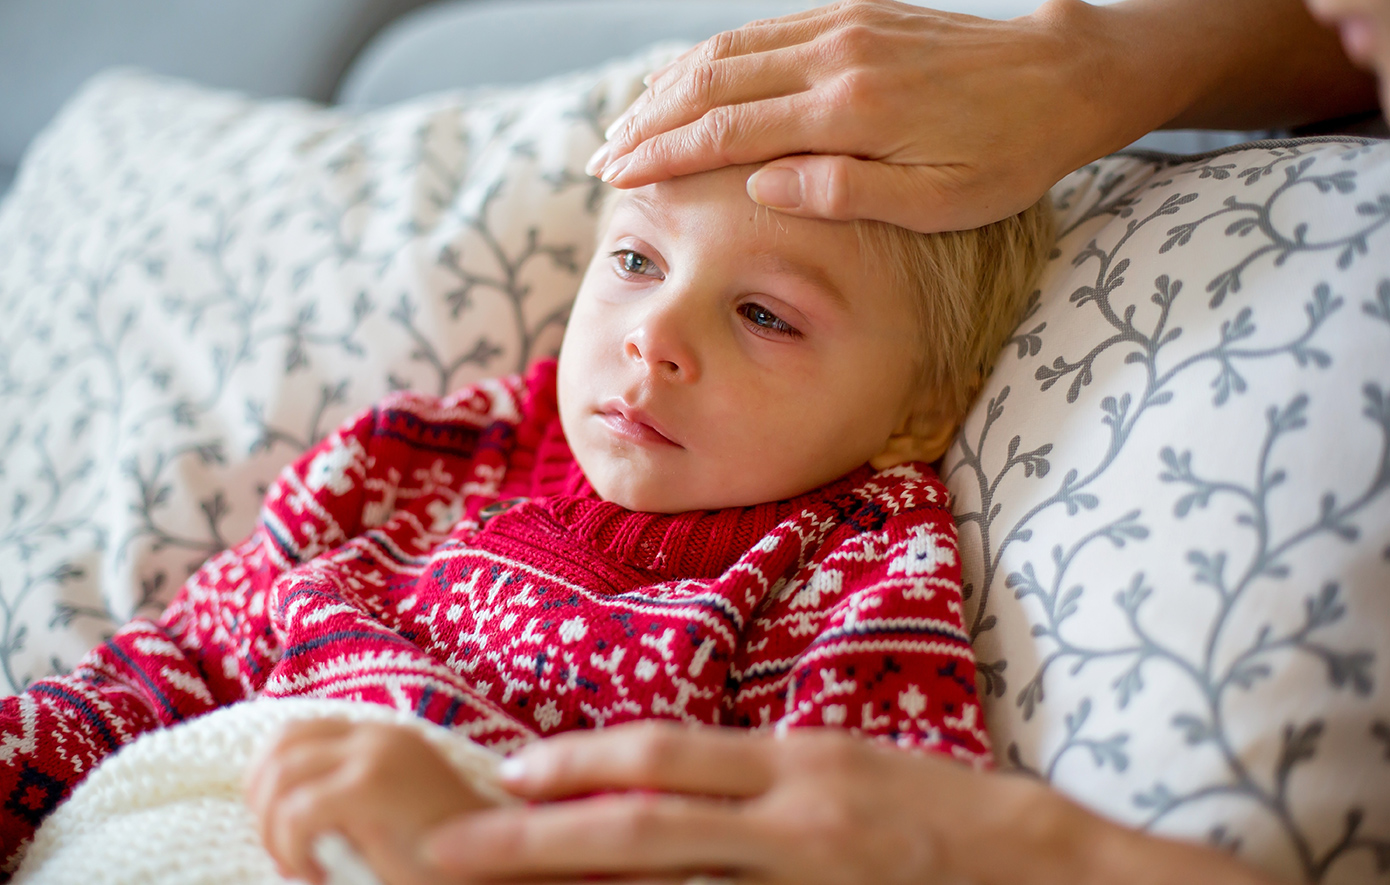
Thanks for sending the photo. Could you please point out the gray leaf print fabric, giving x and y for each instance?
(1174, 502)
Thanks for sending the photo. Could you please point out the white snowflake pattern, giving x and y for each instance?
(444, 516)
(912, 701)
(924, 553)
(329, 469)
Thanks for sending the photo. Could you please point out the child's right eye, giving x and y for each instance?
(634, 264)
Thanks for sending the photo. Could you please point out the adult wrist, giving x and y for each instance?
(1113, 83)
(1023, 830)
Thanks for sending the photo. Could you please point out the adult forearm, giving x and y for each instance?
(1020, 830)
(1221, 64)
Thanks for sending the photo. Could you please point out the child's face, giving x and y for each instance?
(720, 356)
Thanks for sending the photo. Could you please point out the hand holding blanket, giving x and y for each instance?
(168, 809)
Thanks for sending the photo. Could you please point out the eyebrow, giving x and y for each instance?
(813, 275)
(645, 205)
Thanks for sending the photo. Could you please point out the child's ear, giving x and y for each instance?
(919, 439)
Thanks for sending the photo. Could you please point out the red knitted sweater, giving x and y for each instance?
(447, 556)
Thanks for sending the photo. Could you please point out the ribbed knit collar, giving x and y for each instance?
(695, 544)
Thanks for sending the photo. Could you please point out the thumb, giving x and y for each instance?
(927, 199)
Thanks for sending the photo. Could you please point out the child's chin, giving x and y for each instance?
(650, 495)
(643, 500)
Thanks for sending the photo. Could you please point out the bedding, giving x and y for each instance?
(1174, 504)
(168, 808)
(1172, 493)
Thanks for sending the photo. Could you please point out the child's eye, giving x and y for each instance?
(767, 321)
(636, 264)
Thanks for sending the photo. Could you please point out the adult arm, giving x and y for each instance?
(937, 121)
(817, 806)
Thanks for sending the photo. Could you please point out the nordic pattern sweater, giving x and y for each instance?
(446, 556)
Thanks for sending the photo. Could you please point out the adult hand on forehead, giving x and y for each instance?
(937, 121)
(926, 119)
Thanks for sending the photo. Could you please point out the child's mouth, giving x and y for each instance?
(633, 424)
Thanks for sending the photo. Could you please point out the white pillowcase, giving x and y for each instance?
(196, 286)
(1174, 500)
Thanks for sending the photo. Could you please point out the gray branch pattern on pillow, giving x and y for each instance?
(1153, 556)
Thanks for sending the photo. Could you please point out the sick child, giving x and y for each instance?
(716, 508)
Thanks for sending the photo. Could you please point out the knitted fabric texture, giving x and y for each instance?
(168, 809)
(445, 556)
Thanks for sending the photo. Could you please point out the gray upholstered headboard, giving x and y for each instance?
(264, 47)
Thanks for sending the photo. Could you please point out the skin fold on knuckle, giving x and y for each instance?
(718, 134)
(650, 759)
(633, 822)
(855, 45)
(725, 44)
(699, 90)
(830, 190)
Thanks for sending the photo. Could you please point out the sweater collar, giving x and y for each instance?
(695, 544)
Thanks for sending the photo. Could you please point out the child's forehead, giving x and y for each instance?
(712, 204)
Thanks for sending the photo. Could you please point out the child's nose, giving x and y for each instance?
(662, 341)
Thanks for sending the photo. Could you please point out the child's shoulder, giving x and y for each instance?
(914, 485)
(507, 398)
(895, 500)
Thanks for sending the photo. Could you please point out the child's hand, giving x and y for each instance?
(383, 787)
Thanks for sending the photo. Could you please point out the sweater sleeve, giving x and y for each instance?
(211, 647)
(215, 644)
(871, 638)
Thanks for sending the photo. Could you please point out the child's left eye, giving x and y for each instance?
(767, 321)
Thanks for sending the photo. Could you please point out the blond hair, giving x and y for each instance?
(969, 289)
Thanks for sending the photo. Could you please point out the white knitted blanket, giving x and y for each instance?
(168, 808)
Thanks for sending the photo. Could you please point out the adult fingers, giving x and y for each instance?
(651, 835)
(926, 198)
(676, 102)
(760, 35)
(730, 135)
(645, 756)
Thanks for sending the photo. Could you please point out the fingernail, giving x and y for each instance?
(615, 168)
(511, 769)
(775, 187)
(598, 160)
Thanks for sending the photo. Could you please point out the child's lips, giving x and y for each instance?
(634, 424)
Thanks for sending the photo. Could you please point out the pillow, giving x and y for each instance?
(1174, 503)
(197, 286)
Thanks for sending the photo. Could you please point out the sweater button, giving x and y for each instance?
(497, 507)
